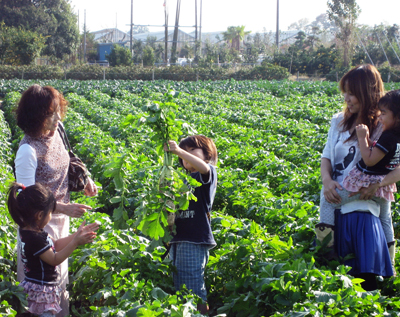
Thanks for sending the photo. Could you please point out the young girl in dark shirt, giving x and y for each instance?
(31, 208)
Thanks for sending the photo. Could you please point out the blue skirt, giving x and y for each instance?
(360, 233)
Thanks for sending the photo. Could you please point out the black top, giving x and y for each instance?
(33, 244)
(388, 143)
(194, 225)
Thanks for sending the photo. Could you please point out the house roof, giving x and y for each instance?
(210, 36)
(110, 35)
(160, 35)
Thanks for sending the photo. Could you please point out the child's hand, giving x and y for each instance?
(91, 227)
(173, 147)
(86, 234)
(362, 131)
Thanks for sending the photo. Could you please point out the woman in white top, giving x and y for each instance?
(42, 158)
(357, 228)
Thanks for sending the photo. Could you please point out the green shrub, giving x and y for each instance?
(148, 56)
(336, 74)
(31, 72)
(85, 72)
(269, 72)
(385, 70)
(119, 56)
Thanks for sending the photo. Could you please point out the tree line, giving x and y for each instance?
(332, 42)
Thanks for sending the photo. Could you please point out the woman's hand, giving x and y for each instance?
(366, 193)
(72, 210)
(330, 193)
(90, 188)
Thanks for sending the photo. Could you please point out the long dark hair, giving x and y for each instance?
(24, 203)
(391, 101)
(200, 142)
(366, 84)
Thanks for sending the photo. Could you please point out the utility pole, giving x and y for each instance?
(80, 41)
(84, 37)
(166, 32)
(131, 37)
(277, 24)
(176, 30)
(195, 32)
(201, 13)
(116, 27)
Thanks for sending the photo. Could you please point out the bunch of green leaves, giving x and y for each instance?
(170, 189)
(121, 274)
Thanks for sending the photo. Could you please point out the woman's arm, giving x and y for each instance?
(367, 193)
(25, 165)
(330, 185)
(72, 210)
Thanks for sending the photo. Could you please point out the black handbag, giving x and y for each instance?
(77, 171)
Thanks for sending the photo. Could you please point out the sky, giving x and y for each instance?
(217, 15)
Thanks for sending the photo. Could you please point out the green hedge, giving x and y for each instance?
(31, 72)
(177, 73)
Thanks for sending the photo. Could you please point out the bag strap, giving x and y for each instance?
(64, 137)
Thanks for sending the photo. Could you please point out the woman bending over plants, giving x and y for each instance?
(193, 239)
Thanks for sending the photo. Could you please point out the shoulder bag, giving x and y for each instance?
(77, 171)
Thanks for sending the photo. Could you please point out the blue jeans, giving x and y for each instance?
(190, 261)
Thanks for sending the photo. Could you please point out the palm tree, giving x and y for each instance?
(234, 35)
(229, 35)
(174, 57)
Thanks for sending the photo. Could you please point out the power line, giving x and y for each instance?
(382, 48)
(170, 26)
(365, 50)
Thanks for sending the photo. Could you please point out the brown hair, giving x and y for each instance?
(24, 203)
(201, 142)
(365, 83)
(35, 105)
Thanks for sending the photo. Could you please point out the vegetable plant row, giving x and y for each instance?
(269, 137)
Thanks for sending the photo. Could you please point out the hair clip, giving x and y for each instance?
(19, 190)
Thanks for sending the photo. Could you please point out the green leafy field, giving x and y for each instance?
(269, 137)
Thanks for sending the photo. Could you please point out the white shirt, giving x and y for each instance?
(344, 156)
(26, 165)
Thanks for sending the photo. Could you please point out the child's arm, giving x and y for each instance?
(82, 236)
(63, 242)
(194, 161)
(370, 157)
